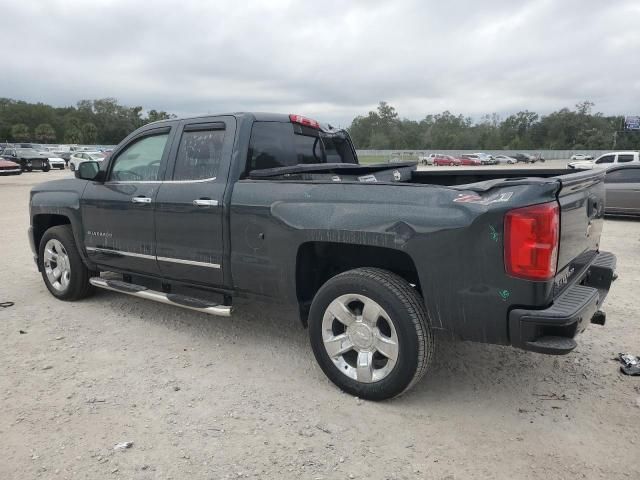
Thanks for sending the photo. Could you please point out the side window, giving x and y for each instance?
(270, 146)
(625, 157)
(633, 175)
(624, 175)
(199, 155)
(617, 176)
(140, 161)
(605, 159)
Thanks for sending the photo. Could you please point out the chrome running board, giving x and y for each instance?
(167, 298)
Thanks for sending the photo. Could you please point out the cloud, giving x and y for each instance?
(332, 60)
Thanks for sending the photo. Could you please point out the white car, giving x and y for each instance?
(607, 160)
(505, 159)
(78, 157)
(427, 159)
(581, 156)
(57, 162)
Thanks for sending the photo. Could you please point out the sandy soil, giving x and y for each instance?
(210, 398)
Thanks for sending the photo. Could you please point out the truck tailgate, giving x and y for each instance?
(582, 201)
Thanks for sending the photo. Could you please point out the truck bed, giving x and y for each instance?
(405, 172)
(457, 176)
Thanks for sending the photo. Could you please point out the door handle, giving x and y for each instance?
(141, 200)
(205, 202)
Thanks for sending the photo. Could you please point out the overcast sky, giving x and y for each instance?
(328, 59)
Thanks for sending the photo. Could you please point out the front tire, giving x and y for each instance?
(62, 268)
(370, 334)
(46, 168)
(72, 167)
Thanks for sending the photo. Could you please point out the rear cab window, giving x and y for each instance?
(284, 144)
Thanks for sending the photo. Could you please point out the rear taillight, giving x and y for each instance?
(307, 122)
(531, 236)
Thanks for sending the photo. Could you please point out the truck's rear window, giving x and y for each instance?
(280, 144)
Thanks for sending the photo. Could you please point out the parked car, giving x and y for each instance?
(375, 259)
(78, 157)
(622, 184)
(486, 159)
(5, 146)
(607, 160)
(446, 160)
(63, 154)
(522, 158)
(469, 159)
(56, 162)
(581, 156)
(7, 167)
(427, 159)
(28, 159)
(505, 159)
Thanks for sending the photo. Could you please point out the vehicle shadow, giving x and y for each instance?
(461, 371)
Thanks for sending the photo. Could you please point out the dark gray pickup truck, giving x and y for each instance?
(376, 260)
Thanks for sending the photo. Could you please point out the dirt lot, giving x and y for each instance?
(212, 398)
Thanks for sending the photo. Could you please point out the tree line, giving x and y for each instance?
(103, 121)
(565, 129)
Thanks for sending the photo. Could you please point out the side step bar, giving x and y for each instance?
(167, 298)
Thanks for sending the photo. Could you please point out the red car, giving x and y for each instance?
(7, 167)
(445, 160)
(469, 159)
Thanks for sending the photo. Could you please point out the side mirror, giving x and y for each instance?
(89, 171)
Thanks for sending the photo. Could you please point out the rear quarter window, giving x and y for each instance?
(283, 144)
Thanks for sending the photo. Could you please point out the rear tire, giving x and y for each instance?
(388, 343)
(72, 167)
(63, 271)
(46, 168)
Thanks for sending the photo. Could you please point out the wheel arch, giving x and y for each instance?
(317, 262)
(44, 221)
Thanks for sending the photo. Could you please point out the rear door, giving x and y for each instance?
(190, 203)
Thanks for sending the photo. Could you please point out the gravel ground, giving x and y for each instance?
(210, 398)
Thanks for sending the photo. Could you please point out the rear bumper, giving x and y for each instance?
(553, 329)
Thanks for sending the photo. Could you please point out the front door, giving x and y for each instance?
(190, 203)
(118, 214)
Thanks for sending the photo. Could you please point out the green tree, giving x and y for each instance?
(89, 133)
(72, 135)
(44, 133)
(20, 132)
(379, 141)
(155, 116)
